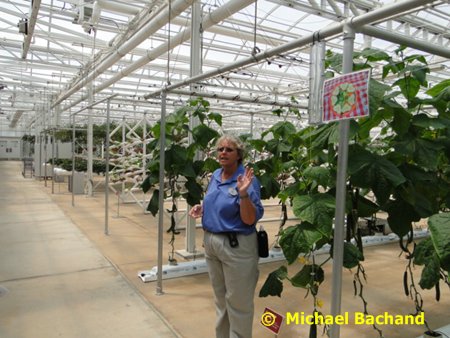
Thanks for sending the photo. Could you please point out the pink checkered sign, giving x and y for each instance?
(346, 96)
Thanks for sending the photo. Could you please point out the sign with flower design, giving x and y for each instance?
(346, 96)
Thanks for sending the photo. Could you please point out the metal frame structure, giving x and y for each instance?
(51, 51)
(130, 140)
(67, 53)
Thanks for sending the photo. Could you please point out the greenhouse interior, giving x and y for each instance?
(112, 114)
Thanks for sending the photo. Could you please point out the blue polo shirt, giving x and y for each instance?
(221, 210)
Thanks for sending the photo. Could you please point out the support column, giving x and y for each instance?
(162, 158)
(90, 145)
(108, 108)
(339, 226)
(196, 61)
(57, 117)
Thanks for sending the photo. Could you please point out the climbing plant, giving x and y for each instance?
(183, 172)
(400, 155)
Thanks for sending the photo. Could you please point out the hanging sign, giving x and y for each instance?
(346, 96)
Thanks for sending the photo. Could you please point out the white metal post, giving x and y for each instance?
(196, 59)
(73, 159)
(108, 107)
(162, 157)
(90, 142)
(339, 223)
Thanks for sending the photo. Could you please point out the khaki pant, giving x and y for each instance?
(234, 274)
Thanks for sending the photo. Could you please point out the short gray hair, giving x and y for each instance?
(240, 148)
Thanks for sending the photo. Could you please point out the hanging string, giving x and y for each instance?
(255, 50)
(168, 43)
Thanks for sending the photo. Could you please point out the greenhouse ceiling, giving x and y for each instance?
(58, 57)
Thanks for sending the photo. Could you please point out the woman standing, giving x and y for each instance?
(231, 208)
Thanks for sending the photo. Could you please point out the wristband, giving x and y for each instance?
(243, 196)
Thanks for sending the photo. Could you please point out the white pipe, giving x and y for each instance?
(213, 18)
(31, 25)
(327, 32)
(405, 40)
(111, 6)
(150, 28)
(300, 105)
(118, 7)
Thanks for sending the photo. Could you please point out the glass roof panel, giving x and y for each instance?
(69, 46)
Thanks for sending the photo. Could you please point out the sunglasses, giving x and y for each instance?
(225, 149)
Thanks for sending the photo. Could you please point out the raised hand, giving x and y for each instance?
(244, 181)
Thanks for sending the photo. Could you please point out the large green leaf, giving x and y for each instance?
(296, 239)
(421, 200)
(194, 191)
(373, 54)
(178, 163)
(392, 66)
(409, 86)
(309, 277)
(430, 274)
(153, 204)
(427, 153)
(423, 251)
(439, 226)
(216, 117)
(187, 170)
(335, 133)
(424, 121)
(366, 207)
(203, 135)
(441, 102)
(317, 209)
(258, 145)
(373, 171)
(435, 90)
(377, 91)
(402, 119)
(352, 256)
(321, 175)
(176, 155)
(269, 186)
(320, 136)
(145, 185)
(401, 216)
(277, 147)
(419, 72)
(283, 129)
(273, 285)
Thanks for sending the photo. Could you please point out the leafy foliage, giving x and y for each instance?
(406, 167)
(180, 164)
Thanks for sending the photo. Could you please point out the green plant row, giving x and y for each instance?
(98, 166)
(398, 164)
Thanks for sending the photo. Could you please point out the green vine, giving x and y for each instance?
(405, 169)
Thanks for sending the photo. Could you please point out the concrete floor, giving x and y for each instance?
(61, 276)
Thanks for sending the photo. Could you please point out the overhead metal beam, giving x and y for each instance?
(212, 19)
(405, 40)
(159, 21)
(240, 98)
(31, 24)
(332, 30)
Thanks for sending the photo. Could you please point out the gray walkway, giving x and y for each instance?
(53, 281)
